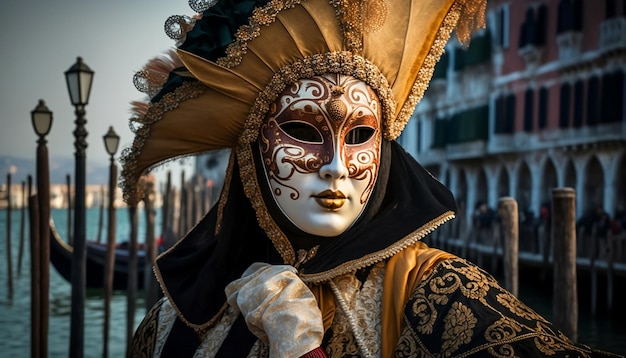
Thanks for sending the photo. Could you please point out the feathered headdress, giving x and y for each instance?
(235, 57)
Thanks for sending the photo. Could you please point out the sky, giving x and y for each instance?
(41, 39)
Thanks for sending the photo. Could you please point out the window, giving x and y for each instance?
(468, 125)
(500, 115)
(510, 113)
(533, 30)
(529, 106)
(439, 134)
(619, 97)
(500, 26)
(570, 16)
(542, 25)
(593, 101)
(564, 106)
(612, 98)
(478, 52)
(610, 11)
(542, 121)
(505, 114)
(579, 89)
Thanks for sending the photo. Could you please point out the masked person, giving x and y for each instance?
(314, 246)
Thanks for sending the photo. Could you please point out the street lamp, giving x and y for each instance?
(41, 118)
(111, 142)
(79, 78)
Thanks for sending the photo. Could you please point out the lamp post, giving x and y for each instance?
(111, 142)
(79, 78)
(41, 118)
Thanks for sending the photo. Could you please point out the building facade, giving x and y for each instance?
(535, 102)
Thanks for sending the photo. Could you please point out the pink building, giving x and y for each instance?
(536, 102)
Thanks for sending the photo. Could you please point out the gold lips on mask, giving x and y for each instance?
(330, 200)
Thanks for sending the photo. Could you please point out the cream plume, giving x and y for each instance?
(139, 108)
(154, 74)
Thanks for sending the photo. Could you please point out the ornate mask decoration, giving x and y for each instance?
(320, 144)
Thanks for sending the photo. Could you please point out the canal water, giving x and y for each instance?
(604, 331)
(15, 312)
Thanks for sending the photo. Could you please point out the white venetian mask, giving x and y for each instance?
(320, 144)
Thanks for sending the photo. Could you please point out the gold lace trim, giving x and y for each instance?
(384, 254)
(141, 127)
(262, 16)
(213, 338)
(199, 328)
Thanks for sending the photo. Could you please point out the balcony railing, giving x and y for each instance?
(570, 45)
(613, 34)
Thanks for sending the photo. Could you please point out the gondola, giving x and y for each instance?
(61, 259)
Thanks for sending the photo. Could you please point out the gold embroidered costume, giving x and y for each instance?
(374, 289)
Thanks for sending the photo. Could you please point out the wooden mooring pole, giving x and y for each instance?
(507, 210)
(43, 195)
(593, 255)
(564, 298)
(20, 252)
(101, 215)
(8, 243)
(35, 273)
(70, 235)
(110, 257)
(609, 272)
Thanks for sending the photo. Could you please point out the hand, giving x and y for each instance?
(279, 309)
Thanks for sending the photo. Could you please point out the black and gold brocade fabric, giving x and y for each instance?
(144, 338)
(459, 310)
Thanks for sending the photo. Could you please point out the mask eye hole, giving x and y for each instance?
(302, 131)
(359, 135)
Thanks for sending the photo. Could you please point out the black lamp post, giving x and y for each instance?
(41, 118)
(111, 142)
(78, 78)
